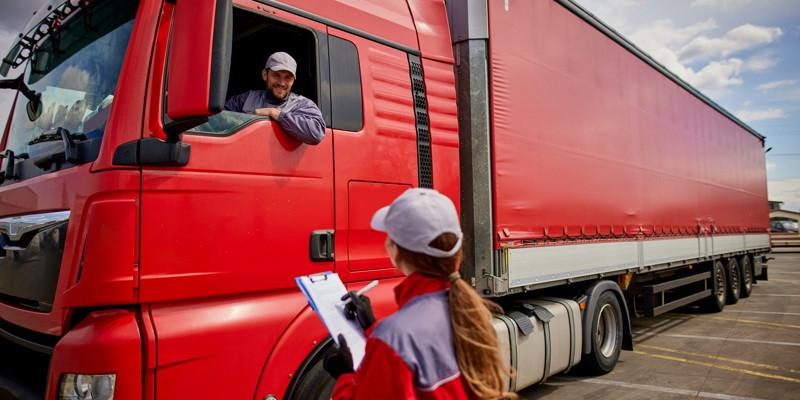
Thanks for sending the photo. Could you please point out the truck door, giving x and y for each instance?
(241, 215)
(375, 146)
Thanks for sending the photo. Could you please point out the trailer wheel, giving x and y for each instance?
(315, 383)
(719, 289)
(746, 272)
(734, 281)
(606, 336)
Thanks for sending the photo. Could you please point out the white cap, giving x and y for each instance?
(416, 218)
(281, 61)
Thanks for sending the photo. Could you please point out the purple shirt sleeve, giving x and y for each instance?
(300, 117)
(236, 103)
(304, 122)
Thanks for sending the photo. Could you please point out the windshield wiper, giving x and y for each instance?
(9, 172)
(58, 154)
(34, 107)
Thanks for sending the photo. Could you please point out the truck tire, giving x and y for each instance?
(606, 336)
(719, 289)
(746, 272)
(734, 278)
(314, 384)
(311, 380)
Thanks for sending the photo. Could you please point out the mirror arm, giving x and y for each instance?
(175, 128)
(18, 84)
(152, 152)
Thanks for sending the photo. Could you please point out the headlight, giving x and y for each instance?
(84, 387)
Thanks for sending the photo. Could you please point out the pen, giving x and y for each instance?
(346, 298)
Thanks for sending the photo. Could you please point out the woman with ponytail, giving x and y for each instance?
(440, 344)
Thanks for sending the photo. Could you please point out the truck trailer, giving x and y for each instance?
(150, 238)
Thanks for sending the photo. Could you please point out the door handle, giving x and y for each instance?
(320, 246)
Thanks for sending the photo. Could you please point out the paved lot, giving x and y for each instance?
(751, 350)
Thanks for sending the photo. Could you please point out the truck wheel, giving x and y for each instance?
(606, 336)
(746, 272)
(315, 383)
(734, 281)
(719, 289)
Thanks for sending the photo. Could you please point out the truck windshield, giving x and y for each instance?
(75, 71)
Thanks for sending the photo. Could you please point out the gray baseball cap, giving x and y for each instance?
(417, 217)
(281, 61)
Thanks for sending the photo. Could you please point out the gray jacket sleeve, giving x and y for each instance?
(236, 103)
(304, 122)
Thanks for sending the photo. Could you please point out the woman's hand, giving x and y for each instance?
(360, 309)
(338, 359)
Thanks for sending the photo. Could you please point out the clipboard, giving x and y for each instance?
(324, 293)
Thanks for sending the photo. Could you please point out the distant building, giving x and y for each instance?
(783, 227)
(775, 205)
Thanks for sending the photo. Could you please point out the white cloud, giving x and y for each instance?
(776, 84)
(676, 47)
(615, 13)
(758, 115)
(742, 37)
(716, 74)
(760, 63)
(663, 33)
(771, 166)
(719, 4)
(787, 191)
(75, 78)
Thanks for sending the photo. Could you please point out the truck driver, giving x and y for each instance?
(296, 114)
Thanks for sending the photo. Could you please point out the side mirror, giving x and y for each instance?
(34, 107)
(199, 61)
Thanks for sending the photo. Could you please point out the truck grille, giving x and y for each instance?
(31, 247)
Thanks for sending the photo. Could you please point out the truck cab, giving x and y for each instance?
(148, 234)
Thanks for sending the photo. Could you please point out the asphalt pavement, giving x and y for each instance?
(750, 350)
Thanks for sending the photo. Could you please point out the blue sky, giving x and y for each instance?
(743, 54)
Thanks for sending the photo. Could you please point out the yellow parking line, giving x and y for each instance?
(705, 364)
(756, 322)
(737, 320)
(718, 358)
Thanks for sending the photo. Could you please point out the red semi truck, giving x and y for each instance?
(149, 239)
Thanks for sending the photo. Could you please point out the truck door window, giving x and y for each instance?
(327, 71)
(254, 39)
(347, 113)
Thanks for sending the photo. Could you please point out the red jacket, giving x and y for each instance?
(410, 354)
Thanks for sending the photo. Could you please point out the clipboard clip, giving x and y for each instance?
(322, 276)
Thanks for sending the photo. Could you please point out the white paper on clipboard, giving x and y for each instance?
(324, 293)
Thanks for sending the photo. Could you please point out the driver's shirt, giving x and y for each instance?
(299, 115)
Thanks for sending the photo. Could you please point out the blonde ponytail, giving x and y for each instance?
(476, 342)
